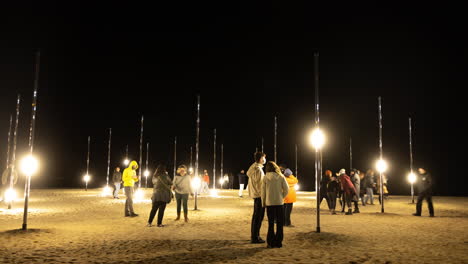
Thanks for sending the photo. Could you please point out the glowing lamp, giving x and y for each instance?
(10, 195)
(381, 166)
(317, 138)
(29, 165)
(139, 195)
(196, 182)
(214, 193)
(146, 173)
(126, 162)
(296, 187)
(106, 191)
(412, 177)
(190, 170)
(86, 178)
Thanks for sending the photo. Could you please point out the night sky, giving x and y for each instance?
(104, 66)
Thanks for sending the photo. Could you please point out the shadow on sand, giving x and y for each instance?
(19, 232)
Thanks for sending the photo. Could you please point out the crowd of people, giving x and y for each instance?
(271, 186)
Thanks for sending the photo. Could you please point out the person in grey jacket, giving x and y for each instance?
(273, 191)
(356, 180)
(182, 188)
(162, 194)
(117, 179)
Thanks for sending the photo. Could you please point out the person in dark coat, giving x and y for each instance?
(323, 187)
(424, 186)
(348, 190)
(241, 175)
(117, 180)
(357, 186)
(162, 194)
(333, 188)
(369, 184)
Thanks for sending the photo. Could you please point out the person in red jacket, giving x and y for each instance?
(205, 183)
(348, 189)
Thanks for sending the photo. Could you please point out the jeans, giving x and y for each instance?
(257, 218)
(241, 188)
(275, 212)
(157, 205)
(322, 196)
(205, 188)
(181, 199)
(348, 200)
(428, 198)
(129, 201)
(332, 199)
(370, 194)
(116, 190)
(288, 207)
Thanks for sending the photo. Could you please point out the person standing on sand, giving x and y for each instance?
(256, 174)
(424, 186)
(117, 179)
(162, 194)
(182, 188)
(369, 184)
(241, 175)
(357, 186)
(129, 178)
(274, 190)
(205, 182)
(348, 190)
(291, 198)
(333, 189)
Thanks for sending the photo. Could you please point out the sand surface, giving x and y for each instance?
(74, 226)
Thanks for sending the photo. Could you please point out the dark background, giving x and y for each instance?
(104, 66)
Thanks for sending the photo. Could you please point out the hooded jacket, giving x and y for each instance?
(274, 189)
(129, 173)
(346, 185)
(292, 181)
(255, 174)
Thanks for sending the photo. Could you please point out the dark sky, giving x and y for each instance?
(104, 66)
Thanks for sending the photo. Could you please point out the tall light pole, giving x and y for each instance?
(126, 161)
(108, 157)
(197, 148)
(87, 177)
(262, 145)
(32, 163)
(175, 155)
(141, 153)
(222, 161)
(412, 177)
(8, 146)
(13, 158)
(276, 128)
(147, 168)
(296, 161)
(381, 165)
(214, 160)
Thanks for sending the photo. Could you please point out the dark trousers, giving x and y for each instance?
(157, 205)
(288, 207)
(428, 198)
(275, 212)
(332, 199)
(257, 218)
(348, 198)
(129, 200)
(322, 196)
(181, 200)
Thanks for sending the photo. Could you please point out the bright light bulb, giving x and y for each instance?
(221, 180)
(10, 195)
(214, 193)
(196, 182)
(86, 178)
(412, 177)
(317, 138)
(126, 162)
(190, 170)
(29, 165)
(296, 187)
(381, 166)
(146, 173)
(106, 191)
(139, 195)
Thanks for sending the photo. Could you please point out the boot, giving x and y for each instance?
(333, 212)
(186, 217)
(356, 211)
(178, 217)
(349, 212)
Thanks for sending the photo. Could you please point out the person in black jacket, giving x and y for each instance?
(333, 187)
(323, 187)
(117, 180)
(241, 175)
(162, 194)
(424, 186)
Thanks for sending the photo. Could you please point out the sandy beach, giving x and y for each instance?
(74, 226)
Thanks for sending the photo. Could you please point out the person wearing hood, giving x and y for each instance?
(162, 194)
(290, 198)
(117, 179)
(273, 191)
(256, 174)
(424, 187)
(348, 190)
(129, 178)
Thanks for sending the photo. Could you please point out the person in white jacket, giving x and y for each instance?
(255, 174)
(274, 190)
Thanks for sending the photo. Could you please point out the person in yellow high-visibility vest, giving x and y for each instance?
(129, 177)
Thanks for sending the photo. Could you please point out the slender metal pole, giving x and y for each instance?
(350, 154)
(262, 145)
(141, 153)
(296, 162)
(222, 161)
(276, 129)
(108, 156)
(318, 152)
(147, 158)
(197, 147)
(214, 160)
(8, 146)
(381, 154)
(31, 140)
(126, 152)
(13, 158)
(411, 158)
(191, 164)
(175, 155)
(87, 162)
